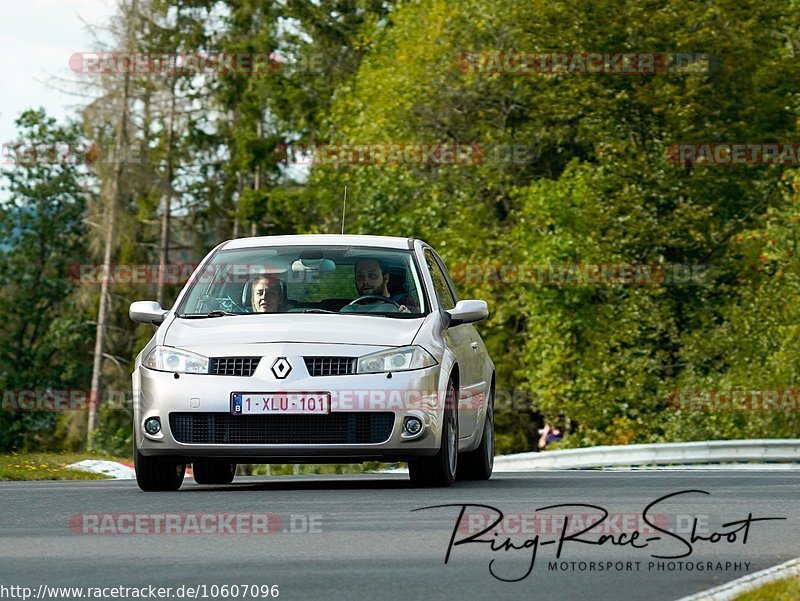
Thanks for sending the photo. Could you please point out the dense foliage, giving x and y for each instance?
(596, 187)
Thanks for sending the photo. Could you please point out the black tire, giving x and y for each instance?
(153, 474)
(478, 464)
(440, 469)
(213, 472)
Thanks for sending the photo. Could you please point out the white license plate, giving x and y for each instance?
(272, 403)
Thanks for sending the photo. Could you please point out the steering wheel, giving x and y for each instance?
(385, 299)
(229, 304)
(225, 303)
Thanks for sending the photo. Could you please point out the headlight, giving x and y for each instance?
(166, 358)
(401, 359)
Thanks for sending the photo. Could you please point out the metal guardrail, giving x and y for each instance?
(673, 453)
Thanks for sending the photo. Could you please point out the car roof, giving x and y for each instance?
(321, 240)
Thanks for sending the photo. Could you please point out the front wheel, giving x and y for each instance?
(213, 472)
(478, 464)
(440, 470)
(153, 474)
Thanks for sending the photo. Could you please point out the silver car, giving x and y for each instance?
(314, 349)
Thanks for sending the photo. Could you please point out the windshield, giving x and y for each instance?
(306, 279)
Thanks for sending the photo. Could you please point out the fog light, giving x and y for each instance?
(152, 425)
(412, 425)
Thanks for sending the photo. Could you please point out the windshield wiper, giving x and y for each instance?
(318, 311)
(214, 313)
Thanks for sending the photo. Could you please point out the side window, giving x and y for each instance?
(443, 292)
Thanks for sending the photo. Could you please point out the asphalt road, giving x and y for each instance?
(368, 544)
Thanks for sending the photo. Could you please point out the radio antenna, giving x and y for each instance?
(344, 208)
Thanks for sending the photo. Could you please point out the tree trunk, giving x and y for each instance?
(165, 218)
(111, 216)
(257, 176)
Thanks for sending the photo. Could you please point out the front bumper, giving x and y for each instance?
(195, 397)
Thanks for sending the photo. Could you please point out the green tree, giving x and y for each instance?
(599, 189)
(43, 331)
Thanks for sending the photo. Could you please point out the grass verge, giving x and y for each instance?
(780, 590)
(46, 466)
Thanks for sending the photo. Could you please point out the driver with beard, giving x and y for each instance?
(371, 280)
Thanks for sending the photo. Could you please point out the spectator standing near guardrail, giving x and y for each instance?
(549, 434)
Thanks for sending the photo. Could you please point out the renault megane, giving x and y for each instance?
(314, 349)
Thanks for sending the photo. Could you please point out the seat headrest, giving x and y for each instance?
(397, 280)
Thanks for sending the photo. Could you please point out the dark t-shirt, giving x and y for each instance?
(405, 299)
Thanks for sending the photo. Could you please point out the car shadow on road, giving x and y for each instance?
(342, 482)
(304, 483)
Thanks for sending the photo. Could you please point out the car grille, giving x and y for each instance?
(330, 366)
(233, 366)
(334, 428)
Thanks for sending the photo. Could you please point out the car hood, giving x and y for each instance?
(306, 327)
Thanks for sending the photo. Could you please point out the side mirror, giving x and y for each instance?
(147, 312)
(468, 311)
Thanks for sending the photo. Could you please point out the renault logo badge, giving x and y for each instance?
(281, 368)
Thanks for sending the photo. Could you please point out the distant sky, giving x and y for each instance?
(37, 37)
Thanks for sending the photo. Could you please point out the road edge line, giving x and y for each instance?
(734, 588)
